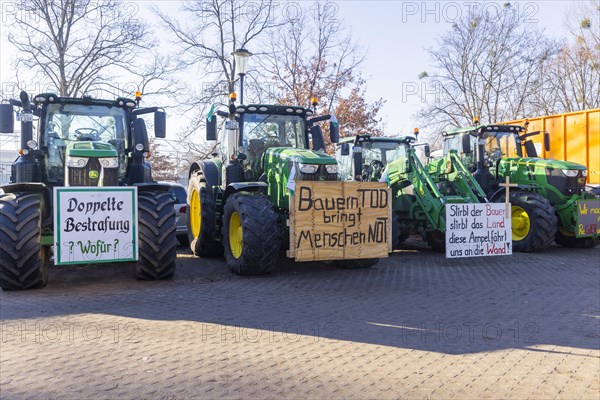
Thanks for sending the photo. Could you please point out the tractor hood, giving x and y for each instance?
(545, 163)
(299, 155)
(91, 149)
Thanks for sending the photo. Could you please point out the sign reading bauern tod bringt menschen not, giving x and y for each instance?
(94, 224)
(478, 230)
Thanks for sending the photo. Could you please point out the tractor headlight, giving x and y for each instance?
(77, 162)
(109, 162)
(308, 168)
(584, 173)
(331, 169)
(571, 173)
(32, 144)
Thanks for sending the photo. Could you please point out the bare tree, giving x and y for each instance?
(486, 66)
(205, 33)
(572, 77)
(76, 45)
(216, 29)
(313, 55)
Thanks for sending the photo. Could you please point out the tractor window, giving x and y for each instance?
(501, 145)
(344, 164)
(273, 130)
(377, 154)
(386, 152)
(68, 123)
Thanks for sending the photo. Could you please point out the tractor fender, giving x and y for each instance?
(244, 187)
(36, 187)
(156, 187)
(209, 170)
(501, 191)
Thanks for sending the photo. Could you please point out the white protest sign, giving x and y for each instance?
(95, 224)
(478, 230)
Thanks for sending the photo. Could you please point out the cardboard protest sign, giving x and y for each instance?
(478, 230)
(95, 224)
(588, 218)
(340, 221)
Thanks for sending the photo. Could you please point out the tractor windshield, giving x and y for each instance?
(386, 152)
(273, 130)
(376, 155)
(501, 145)
(69, 123)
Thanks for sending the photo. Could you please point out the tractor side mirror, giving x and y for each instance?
(546, 141)
(317, 138)
(211, 128)
(334, 132)
(427, 150)
(357, 159)
(160, 124)
(7, 118)
(466, 143)
(530, 149)
(345, 149)
(140, 134)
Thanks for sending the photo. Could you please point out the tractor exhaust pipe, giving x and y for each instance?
(26, 120)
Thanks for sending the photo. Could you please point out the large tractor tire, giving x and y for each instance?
(436, 240)
(568, 239)
(398, 237)
(201, 219)
(157, 239)
(251, 234)
(533, 221)
(24, 262)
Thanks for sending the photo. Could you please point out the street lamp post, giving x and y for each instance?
(241, 57)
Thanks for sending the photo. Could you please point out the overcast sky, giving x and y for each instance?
(395, 34)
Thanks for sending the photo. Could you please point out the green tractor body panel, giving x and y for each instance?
(91, 149)
(279, 162)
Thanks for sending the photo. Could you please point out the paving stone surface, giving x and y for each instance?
(414, 326)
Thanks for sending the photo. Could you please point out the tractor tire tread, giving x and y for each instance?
(156, 236)
(261, 234)
(24, 261)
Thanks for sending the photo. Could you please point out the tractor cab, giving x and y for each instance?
(81, 141)
(370, 155)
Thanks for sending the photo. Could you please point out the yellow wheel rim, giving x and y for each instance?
(521, 223)
(195, 214)
(236, 236)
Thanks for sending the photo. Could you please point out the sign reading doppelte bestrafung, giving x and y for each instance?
(478, 230)
(95, 224)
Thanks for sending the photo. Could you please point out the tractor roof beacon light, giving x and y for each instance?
(475, 121)
(241, 57)
(138, 97)
(416, 132)
(314, 102)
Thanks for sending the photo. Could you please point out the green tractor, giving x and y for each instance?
(544, 202)
(238, 201)
(419, 193)
(80, 143)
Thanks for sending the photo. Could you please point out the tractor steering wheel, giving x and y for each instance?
(89, 134)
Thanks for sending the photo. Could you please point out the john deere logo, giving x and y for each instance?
(93, 174)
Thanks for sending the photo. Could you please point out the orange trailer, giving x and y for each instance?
(574, 137)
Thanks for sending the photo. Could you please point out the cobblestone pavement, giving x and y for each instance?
(414, 326)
